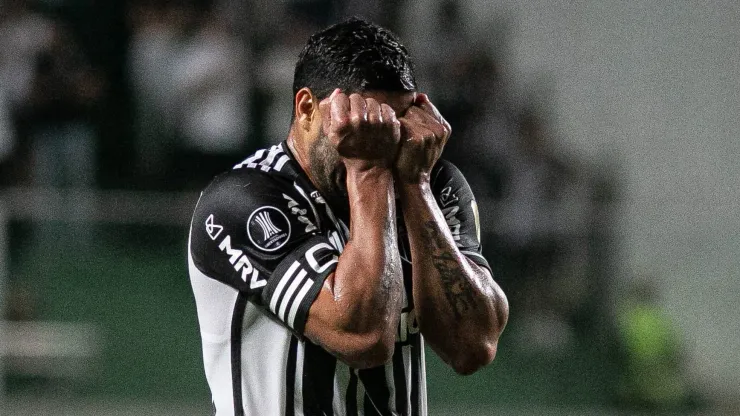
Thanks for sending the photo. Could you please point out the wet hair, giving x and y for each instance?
(356, 56)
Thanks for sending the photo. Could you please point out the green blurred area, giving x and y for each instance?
(132, 282)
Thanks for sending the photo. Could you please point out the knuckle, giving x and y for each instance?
(356, 118)
(374, 118)
(341, 123)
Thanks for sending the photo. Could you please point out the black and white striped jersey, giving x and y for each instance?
(262, 241)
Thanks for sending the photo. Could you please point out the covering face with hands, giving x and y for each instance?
(361, 247)
(367, 132)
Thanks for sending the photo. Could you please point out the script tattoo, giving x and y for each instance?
(457, 289)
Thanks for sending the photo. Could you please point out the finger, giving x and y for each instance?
(389, 116)
(423, 102)
(407, 129)
(420, 116)
(325, 108)
(426, 104)
(415, 132)
(374, 115)
(358, 112)
(340, 112)
(440, 128)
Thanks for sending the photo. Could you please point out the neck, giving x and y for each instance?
(300, 153)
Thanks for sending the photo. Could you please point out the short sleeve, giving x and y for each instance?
(257, 234)
(455, 199)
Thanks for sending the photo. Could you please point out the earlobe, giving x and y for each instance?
(305, 108)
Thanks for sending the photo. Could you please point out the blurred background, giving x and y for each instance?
(600, 138)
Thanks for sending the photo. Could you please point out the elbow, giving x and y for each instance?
(475, 358)
(482, 350)
(372, 350)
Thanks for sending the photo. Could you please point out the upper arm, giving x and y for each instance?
(457, 203)
(260, 237)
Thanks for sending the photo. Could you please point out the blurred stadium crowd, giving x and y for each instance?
(161, 95)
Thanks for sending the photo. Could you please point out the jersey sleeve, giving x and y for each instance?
(259, 235)
(455, 198)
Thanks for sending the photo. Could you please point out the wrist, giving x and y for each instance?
(358, 173)
(363, 165)
(412, 192)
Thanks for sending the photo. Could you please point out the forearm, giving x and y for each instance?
(368, 281)
(460, 309)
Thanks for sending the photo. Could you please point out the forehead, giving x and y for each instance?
(400, 101)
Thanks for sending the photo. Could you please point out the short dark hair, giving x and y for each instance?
(356, 56)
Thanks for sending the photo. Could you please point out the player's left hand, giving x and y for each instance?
(424, 133)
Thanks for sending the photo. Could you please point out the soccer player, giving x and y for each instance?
(322, 265)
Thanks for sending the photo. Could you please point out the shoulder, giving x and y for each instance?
(444, 169)
(445, 174)
(236, 191)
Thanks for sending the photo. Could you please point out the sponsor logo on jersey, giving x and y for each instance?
(300, 213)
(241, 263)
(268, 228)
(237, 258)
(212, 228)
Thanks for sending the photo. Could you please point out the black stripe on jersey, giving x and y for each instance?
(377, 394)
(415, 363)
(290, 378)
(399, 381)
(318, 380)
(237, 319)
(352, 393)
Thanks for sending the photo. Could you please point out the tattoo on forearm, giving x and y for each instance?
(457, 289)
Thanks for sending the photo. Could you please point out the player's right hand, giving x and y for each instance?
(364, 132)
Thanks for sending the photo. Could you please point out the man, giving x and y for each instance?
(321, 266)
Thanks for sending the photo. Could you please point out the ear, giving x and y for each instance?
(306, 108)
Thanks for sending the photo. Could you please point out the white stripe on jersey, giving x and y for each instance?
(297, 302)
(274, 151)
(390, 381)
(298, 385)
(291, 289)
(214, 302)
(360, 394)
(281, 162)
(341, 382)
(283, 281)
(407, 365)
(265, 159)
(249, 162)
(422, 377)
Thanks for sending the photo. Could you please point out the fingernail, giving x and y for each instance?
(336, 91)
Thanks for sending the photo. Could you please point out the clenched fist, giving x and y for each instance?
(424, 133)
(364, 132)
